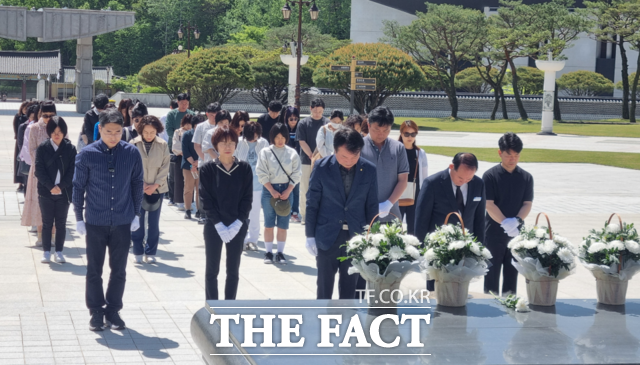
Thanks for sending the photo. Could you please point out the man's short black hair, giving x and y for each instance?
(101, 101)
(183, 96)
(173, 104)
(382, 116)
(33, 109)
(275, 106)
(317, 102)
(353, 121)
(139, 110)
(111, 116)
(281, 129)
(349, 138)
(214, 107)
(510, 141)
(54, 123)
(222, 115)
(336, 113)
(465, 158)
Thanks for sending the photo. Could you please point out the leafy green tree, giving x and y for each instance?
(510, 33)
(211, 75)
(585, 83)
(395, 72)
(471, 81)
(620, 86)
(616, 23)
(272, 79)
(531, 81)
(313, 42)
(155, 73)
(248, 35)
(492, 67)
(445, 37)
(334, 18)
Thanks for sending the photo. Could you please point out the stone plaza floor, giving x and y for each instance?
(43, 318)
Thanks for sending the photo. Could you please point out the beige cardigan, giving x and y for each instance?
(156, 163)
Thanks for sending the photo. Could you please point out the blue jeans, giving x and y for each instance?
(295, 204)
(153, 236)
(271, 219)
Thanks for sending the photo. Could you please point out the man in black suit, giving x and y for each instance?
(456, 189)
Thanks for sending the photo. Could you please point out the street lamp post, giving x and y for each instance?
(189, 28)
(286, 14)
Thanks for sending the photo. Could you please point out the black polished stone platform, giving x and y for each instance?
(483, 332)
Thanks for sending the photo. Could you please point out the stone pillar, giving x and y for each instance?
(550, 68)
(24, 88)
(40, 90)
(84, 74)
(292, 63)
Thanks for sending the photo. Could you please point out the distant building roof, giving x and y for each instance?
(102, 73)
(30, 63)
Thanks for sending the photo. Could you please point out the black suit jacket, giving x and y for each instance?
(437, 199)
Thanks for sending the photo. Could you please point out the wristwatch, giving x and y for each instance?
(520, 222)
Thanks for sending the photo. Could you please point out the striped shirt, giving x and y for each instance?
(110, 181)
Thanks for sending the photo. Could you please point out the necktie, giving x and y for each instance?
(460, 200)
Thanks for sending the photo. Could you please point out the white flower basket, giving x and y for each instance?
(452, 293)
(611, 289)
(542, 292)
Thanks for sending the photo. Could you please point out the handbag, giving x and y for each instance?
(23, 168)
(281, 205)
(151, 203)
(408, 196)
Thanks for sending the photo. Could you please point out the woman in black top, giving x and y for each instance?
(290, 117)
(55, 165)
(226, 191)
(20, 117)
(32, 117)
(417, 170)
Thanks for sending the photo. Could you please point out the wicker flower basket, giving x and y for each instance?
(543, 292)
(452, 293)
(610, 289)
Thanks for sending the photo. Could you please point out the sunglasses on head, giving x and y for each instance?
(406, 134)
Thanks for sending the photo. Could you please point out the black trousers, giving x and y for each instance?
(54, 210)
(213, 251)
(171, 177)
(497, 245)
(410, 213)
(328, 264)
(117, 240)
(176, 194)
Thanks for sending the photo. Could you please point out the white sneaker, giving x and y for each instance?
(33, 229)
(38, 243)
(181, 207)
(137, 259)
(59, 257)
(46, 257)
(150, 259)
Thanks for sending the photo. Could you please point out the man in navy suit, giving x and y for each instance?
(456, 189)
(342, 200)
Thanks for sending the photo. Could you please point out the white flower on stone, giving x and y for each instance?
(396, 253)
(486, 254)
(430, 255)
(617, 245)
(376, 238)
(540, 233)
(530, 244)
(565, 255)
(521, 305)
(370, 254)
(413, 252)
(456, 245)
(632, 246)
(597, 247)
(475, 248)
(612, 228)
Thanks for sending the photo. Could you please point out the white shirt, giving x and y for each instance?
(324, 141)
(206, 141)
(201, 131)
(55, 148)
(164, 134)
(269, 170)
(464, 188)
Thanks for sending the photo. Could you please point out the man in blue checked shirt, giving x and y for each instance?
(108, 186)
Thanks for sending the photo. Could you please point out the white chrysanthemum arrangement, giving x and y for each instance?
(451, 251)
(514, 302)
(381, 249)
(615, 249)
(541, 252)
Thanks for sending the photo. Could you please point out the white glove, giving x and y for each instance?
(234, 228)
(223, 232)
(514, 232)
(509, 224)
(81, 228)
(311, 246)
(135, 224)
(384, 208)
